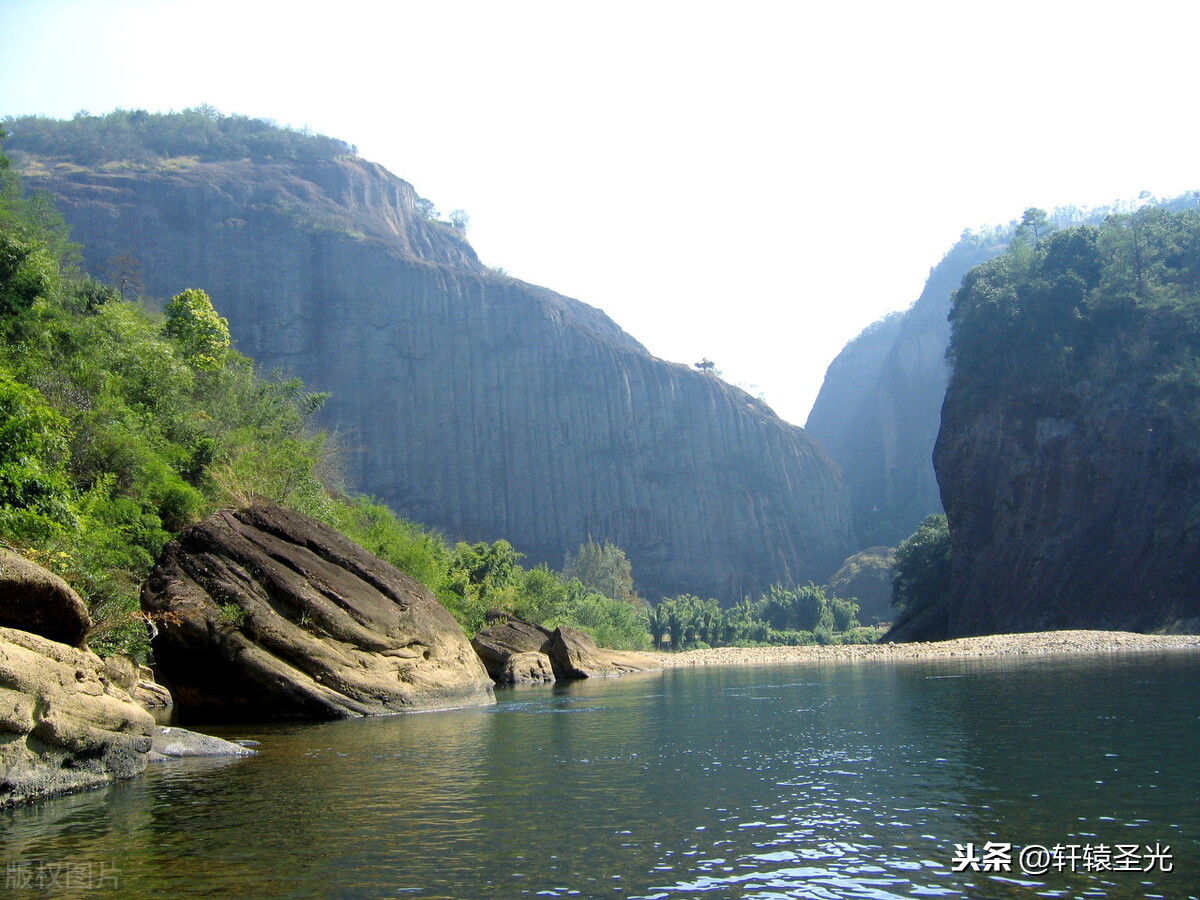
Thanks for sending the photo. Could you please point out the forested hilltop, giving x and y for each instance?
(481, 405)
(1067, 456)
(138, 137)
(879, 410)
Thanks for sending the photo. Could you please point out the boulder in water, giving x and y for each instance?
(64, 723)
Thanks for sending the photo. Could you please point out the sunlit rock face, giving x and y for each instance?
(263, 613)
(470, 401)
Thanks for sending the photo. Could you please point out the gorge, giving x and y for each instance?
(465, 399)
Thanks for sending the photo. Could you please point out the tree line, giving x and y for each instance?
(147, 138)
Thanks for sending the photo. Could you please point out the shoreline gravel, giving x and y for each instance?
(1039, 643)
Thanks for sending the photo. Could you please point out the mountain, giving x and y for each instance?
(1067, 455)
(879, 408)
(473, 402)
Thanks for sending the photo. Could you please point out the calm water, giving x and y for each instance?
(812, 781)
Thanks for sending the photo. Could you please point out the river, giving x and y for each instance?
(880, 779)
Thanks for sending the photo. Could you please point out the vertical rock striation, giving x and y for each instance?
(474, 402)
(879, 409)
(1068, 509)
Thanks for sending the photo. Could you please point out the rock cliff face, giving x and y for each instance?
(879, 409)
(1068, 509)
(474, 402)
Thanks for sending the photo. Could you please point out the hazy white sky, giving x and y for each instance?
(754, 182)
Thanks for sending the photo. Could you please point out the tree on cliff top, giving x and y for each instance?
(1126, 292)
(147, 138)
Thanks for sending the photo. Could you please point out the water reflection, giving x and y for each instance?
(815, 781)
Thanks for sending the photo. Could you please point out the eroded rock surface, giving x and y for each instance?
(517, 652)
(527, 668)
(499, 642)
(264, 613)
(1069, 507)
(64, 723)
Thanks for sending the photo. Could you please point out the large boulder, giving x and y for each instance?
(575, 655)
(518, 652)
(64, 723)
(501, 641)
(263, 613)
(36, 600)
(527, 668)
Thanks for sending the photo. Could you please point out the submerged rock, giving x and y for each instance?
(179, 743)
(64, 723)
(36, 600)
(264, 613)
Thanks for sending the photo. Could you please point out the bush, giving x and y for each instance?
(921, 577)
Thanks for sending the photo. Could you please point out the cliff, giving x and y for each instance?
(469, 401)
(879, 408)
(1067, 457)
(1068, 509)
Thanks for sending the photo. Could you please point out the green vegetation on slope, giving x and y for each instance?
(1118, 302)
(150, 139)
(120, 426)
(1099, 317)
(921, 572)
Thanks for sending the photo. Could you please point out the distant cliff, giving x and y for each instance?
(1067, 456)
(470, 401)
(879, 409)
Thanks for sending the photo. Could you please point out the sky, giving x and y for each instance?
(751, 182)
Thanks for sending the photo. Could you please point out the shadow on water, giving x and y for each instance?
(806, 781)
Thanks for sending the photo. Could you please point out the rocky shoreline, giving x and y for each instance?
(1040, 643)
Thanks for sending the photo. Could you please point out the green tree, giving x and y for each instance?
(603, 568)
(27, 271)
(794, 609)
(1035, 223)
(200, 332)
(921, 577)
(844, 612)
(35, 493)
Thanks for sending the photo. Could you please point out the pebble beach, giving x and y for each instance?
(996, 645)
